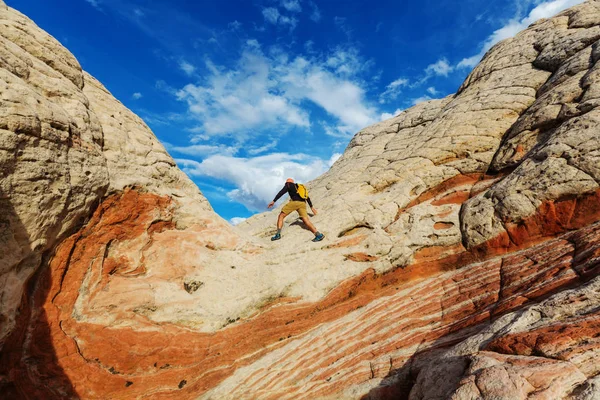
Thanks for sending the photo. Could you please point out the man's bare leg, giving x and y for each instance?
(280, 221)
(279, 226)
(309, 225)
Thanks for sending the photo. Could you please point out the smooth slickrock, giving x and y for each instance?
(53, 171)
(134, 157)
(461, 257)
(66, 143)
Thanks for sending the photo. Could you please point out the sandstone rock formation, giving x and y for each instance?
(461, 260)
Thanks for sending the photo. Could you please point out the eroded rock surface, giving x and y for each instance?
(53, 170)
(461, 259)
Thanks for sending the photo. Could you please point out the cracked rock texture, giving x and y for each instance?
(461, 259)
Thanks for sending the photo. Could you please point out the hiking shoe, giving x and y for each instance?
(318, 237)
(276, 237)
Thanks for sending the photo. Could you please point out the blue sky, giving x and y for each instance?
(246, 93)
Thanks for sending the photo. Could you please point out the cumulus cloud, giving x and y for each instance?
(385, 115)
(269, 91)
(333, 159)
(202, 150)
(340, 23)
(237, 220)
(315, 14)
(241, 99)
(441, 68)
(273, 16)
(393, 90)
(291, 5)
(137, 96)
(186, 67)
(342, 99)
(515, 25)
(261, 149)
(235, 25)
(253, 43)
(94, 3)
(257, 180)
(420, 99)
(346, 62)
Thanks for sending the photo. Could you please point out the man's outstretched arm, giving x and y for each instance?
(309, 202)
(281, 193)
(311, 206)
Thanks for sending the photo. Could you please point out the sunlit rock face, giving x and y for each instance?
(461, 257)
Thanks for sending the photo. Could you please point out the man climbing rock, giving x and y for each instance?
(297, 203)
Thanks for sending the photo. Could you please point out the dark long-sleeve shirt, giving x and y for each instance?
(290, 188)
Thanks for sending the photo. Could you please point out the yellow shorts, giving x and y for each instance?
(299, 206)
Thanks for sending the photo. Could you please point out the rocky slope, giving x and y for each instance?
(461, 260)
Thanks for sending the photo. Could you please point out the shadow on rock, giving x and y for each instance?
(300, 223)
(29, 368)
(408, 381)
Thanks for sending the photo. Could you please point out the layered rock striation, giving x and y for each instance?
(461, 260)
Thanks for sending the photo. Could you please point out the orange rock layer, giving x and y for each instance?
(576, 341)
(369, 326)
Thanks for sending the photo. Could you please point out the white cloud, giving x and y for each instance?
(235, 25)
(472, 61)
(340, 22)
(257, 150)
(137, 96)
(272, 15)
(292, 22)
(338, 131)
(385, 115)
(253, 43)
(201, 150)
(346, 62)
(546, 9)
(333, 159)
(237, 220)
(152, 118)
(186, 67)
(241, 99)
(265, 92)
(420, 100)
(440, 68)
(95, 3)
(315, 15)
(309, 46)
(341, 97)
(291, 5)
(138, 13)
(257, 180)
(393, 90)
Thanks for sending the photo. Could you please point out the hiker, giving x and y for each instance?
(297, 203)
